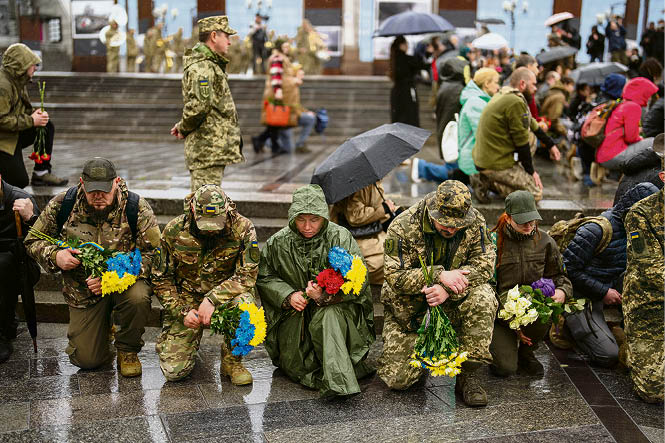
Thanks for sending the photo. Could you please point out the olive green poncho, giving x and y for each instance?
(323, 347)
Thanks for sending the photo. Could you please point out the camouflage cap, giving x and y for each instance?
(450, 205)
(215, 23)
(98, 175)
(210, 208)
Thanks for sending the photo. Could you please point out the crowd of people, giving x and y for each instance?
(209, 255)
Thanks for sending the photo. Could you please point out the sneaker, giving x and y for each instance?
(129, 364)
(576, 166)
(47, 179)
(303, 149)
(414, 171)
(232, 367)
(468, 386)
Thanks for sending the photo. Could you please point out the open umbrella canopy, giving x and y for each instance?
(558, 18)
(490, 21)
(490, 41)
(412, 23)
(556, 53)
(594, 73)
(366, 158)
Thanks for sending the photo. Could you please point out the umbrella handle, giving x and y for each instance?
(19, 224)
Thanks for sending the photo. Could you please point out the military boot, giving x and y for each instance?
(559, 335)
(468, 386)
(129, 364)
(47, 179)
(232, 367)
(528, 363)
(5, 349)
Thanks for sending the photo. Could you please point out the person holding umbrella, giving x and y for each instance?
(12, 200)
(403, 69)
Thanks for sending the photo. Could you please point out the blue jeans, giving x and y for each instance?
(433, 172)
(306, 121)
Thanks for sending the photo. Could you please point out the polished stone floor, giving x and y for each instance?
(44, 398)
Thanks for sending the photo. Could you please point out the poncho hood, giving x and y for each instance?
(309, 200)
(18, 58)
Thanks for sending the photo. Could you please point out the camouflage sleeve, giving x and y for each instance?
(163, 277)
(555, 270)
(401, 264)
(42, 251)
(197, 90)
(247, 270)
(11, 121)
(148, 237)
(481, 257)
(643, 251)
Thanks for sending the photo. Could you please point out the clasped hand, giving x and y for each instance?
(435, 294)
(455, 280)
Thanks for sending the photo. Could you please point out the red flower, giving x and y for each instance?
(46, 157)
(38, 160)
(330, 280)
(33, 156)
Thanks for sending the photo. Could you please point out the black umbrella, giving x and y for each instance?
(556, 53)
(27, 290)
(594, 73)
(411, 23)
(366, 158)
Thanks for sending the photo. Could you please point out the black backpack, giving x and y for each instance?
(131, 209)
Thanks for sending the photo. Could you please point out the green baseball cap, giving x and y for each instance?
(210, 208)
(98, 175)
(450, 205)
(216, 23)
(521, 206)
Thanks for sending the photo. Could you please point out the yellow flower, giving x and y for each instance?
(257, 318)
(112, 283)
(355, 277)
(415, 363)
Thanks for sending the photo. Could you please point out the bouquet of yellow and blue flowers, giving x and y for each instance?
(243, 326)
(117, 270)
(437, 347)
(346, 272)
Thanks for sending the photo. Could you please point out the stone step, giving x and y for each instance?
(265, 227)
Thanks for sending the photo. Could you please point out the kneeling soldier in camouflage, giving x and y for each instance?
(102, 210)
(443, 224)
(209, 256)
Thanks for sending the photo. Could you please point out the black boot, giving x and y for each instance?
(468, 386)
(527, 362)
(5, 349)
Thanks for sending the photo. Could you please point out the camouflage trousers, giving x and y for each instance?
(505, 181)
(645, 359)
(177, 344)
(473, 320)
(131, 64)
(207, 176)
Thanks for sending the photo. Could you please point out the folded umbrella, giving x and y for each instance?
(490, 41)
(27, 290)
(556, 53)
(558, 18)
(366, 158)
(412, 23)
(594, 74)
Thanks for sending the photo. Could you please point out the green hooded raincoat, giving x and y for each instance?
(473, 100)
(324, 347)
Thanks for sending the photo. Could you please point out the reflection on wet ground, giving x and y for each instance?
(45, 398)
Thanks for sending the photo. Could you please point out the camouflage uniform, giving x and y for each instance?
(643, 296)
(178, 46)
(90, 314)
(189, 271)
(112, 52)
(209, 118)
(412, 235)
(132, 51)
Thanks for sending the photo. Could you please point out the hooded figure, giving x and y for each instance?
(324, 345)
(454, 74)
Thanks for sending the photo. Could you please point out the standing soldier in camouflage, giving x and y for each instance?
(178, 46)
(148, 49)
(112, 51)
(443, 224)
(209, 257)
(101, 209)
(132, 51)
(643, 295)
(209, 121)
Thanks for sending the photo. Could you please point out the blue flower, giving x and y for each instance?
(340, 260)
(244, 334)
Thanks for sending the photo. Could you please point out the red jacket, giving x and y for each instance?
(623, 126)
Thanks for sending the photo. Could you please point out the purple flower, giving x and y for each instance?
(545, 285)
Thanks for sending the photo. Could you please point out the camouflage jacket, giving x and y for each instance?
(411, 235)
(132, 47)
(209, 118)
(643, 284)
(112, 232)
(227, 270)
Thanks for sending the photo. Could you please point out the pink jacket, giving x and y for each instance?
(623, 126)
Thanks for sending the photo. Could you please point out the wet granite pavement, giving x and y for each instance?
(44, 398)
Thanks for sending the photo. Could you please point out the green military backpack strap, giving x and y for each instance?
(563, 231)
(131, 209)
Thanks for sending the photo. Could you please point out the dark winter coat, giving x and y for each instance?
(403, 95)
(593, 274)
(9, 194)
(616, 40)
(448, 98)
(596, 48)
(653, 122)
(643, 167)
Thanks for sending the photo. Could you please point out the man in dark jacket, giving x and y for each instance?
(19, 122)
(454, 74)
(653, 123)
(12, 199)
(597, 275)
(643, 167)
(616, 40)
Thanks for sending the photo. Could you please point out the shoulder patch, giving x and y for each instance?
(204, 87)
(637, 242)
(526, 120)
(254, 253)
(389, 246)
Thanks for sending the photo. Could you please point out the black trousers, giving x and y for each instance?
(8, 295)
(272, 133)
(12, 167)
